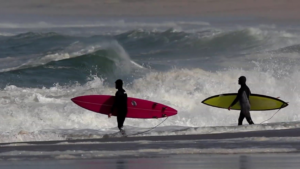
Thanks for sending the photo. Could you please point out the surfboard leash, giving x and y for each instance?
(273, 114)
(148, 129)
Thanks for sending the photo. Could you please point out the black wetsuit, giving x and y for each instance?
(243, 98)
(121, 105)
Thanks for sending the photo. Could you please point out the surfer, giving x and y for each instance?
(120, 104)
(243, 98)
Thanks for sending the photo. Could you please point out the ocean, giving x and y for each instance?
(175, 61)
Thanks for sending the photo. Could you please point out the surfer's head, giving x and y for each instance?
(119, 84)
(242, 80)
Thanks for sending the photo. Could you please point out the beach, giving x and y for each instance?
(259, 149)
(176, 161)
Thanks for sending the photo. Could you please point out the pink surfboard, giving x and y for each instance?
(137, 108)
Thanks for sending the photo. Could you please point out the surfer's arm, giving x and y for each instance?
(113, 106)
(115, 103)
(112, 109)
(236, 99)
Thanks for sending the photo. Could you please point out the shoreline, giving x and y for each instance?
(254, 142)
(228, 135)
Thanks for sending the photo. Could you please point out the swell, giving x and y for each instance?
(207, 42)
(65, 68)
(140, 44)
(46, 58)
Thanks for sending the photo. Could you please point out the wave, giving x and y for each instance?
(108, 60)
(41, 72)
(36, 55)
(34, 35)
(209, 43)
(290, 49)
(50, 52)
(211, 39)
(51, 109)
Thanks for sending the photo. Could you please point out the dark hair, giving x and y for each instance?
(242, 79)
(119, 82)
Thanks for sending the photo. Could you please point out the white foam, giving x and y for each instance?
(24, 136)
(34, 109)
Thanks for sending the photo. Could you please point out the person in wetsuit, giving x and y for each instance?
(120, 104)
(243, 98)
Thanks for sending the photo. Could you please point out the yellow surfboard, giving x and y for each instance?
(258, 102)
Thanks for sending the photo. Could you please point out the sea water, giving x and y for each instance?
(177, 62)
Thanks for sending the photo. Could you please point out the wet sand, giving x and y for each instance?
(250, 142)
(265, 133)
(250, 161)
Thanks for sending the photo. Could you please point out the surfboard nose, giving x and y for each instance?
(285, 105)
(74, 99)
(173, 112)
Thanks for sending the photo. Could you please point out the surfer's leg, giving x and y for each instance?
(120, 122)
(121, 119)
(241, 118)
(248, 118)
(246, 112)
